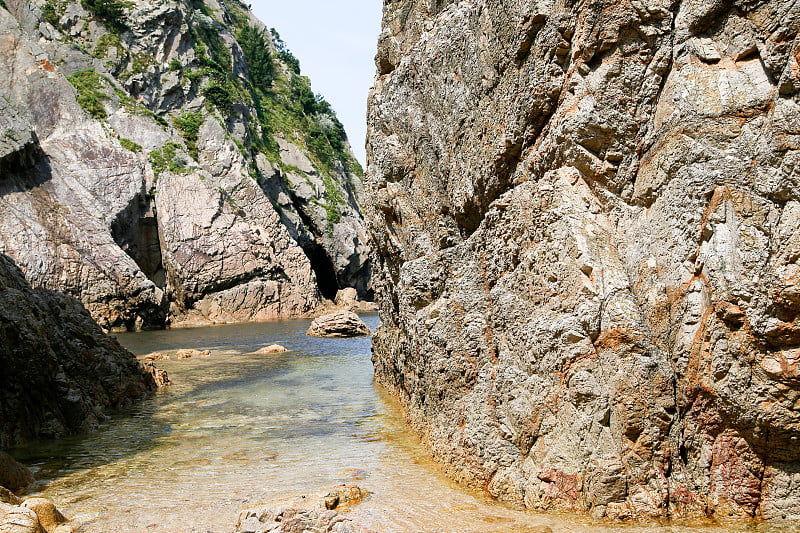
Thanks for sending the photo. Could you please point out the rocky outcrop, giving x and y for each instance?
(59, 370)
(166, 162)
(585, 217)
(339, 324)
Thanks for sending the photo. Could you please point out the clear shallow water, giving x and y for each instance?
(238, 430)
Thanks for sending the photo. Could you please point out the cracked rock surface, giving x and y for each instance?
(167, 165)
(60, 372)
(586, 219)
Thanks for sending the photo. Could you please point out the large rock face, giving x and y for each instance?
(58, 370)
(587, 223)
(166, 161)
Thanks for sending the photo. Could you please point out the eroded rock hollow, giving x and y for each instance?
(586, 218)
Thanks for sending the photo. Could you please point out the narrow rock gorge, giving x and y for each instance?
(166, 162)
(585, 217)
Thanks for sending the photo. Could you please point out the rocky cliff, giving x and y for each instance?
(58, 370)
(587, 224)
(166, 161)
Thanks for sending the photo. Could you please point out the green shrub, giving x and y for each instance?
(50, 13)
(258, 57)
(218, 94)
(89, 83)
(112, 12)
(283, 52)
(189, 126)
(130, 145)
(141, 62)
(175, 64)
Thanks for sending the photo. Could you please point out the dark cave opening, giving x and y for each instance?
(136, 232)
(323, 268)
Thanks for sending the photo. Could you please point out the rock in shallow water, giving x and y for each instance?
(345, 495)
(294, 520)
(13, 475)
(272, 348)
(341, 324)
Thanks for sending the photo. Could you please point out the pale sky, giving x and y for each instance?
(336, 44)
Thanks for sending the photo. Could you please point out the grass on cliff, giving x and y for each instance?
(90, 85)
(130, 145)
(167, 158)
(189, 124)
(107, 41)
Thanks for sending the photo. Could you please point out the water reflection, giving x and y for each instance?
(239, 429)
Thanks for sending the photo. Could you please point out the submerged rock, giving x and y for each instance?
(188, 353)
(294, 520)
(585, 220)
(272, 348)
(340, 324)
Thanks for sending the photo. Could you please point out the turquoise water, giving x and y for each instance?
(238, 430)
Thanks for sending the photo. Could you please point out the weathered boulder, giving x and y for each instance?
(294, 520)
(339, 324)
(13, 476)
(585, 222)
(17, 519)
(8, 497)
(345, 496)
(159, 377)
(60, 371)
(49, 517)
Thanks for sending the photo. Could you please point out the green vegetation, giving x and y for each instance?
(257, 54)
(219, 94)
(130, 145)
(141, 62)
(283, 52)
(175, 64)
(50, 13)
(3, 4)
(89, 85)
(333, 199)
(107, 41)
(167, 158)
(189, 126)
(112, 12)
